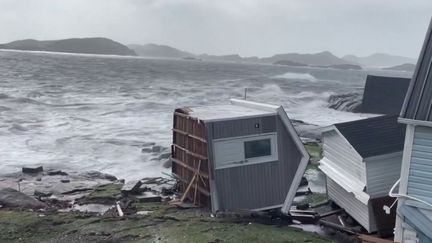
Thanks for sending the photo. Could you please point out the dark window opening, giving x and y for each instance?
(257, 148)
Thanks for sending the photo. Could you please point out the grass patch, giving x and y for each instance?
(166, 224)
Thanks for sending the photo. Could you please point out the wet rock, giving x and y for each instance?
(64, 180)
(146, 150)
(98, 175)
(303, 182)
(167, 163)
(104, 194)
(40, 194)
(32, 170)
(131, 187)
(12, 198)
(148, 197)
(164, 156)
(56, 172)
(157, 149)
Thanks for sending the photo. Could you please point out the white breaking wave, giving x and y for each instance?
(296, 76)
(115, 115)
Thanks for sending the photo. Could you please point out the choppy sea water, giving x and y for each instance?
(84, 112)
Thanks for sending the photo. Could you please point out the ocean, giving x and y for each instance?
(92, 112)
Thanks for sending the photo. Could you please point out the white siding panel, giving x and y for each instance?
(420, 172)
(382, 174)
(360, 212)
(343, 156)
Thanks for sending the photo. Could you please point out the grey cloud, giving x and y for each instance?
(247, 27)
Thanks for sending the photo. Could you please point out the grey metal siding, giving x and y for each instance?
(382, 174)
(259, 185)
(361, 212)
(418, 101)
(243, 127)
(251, 186)
(420, 179)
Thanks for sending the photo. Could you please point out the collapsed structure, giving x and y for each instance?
(241, 156)
(361, 160)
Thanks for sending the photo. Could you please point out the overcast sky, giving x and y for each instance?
(247, 27)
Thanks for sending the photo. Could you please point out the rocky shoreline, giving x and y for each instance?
(49, 205)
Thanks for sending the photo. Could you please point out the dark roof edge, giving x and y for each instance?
(380, 117)
(416, 72)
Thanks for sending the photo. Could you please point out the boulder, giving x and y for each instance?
(30, 170)
(131, 187)
(167, 163)
(56, 172)
(14, 199)
(164, 156)
(158, 149)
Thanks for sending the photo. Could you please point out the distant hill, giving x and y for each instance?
(154, 50)
(290, 63)
(407, 67)
(379, 60)
(74, 45)
(324, 58)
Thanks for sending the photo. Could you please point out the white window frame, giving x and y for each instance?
(241, 158)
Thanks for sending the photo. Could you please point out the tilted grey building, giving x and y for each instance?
(240, 156)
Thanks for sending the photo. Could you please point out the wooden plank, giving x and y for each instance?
(190, 135)
(194, 170)
(189, 152)
(202, 190)
(372, 239)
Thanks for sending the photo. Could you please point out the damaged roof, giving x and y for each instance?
(230, 111)
(374, 136)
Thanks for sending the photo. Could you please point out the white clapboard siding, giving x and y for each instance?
(382, 174)
(341, 154)
(359, 211)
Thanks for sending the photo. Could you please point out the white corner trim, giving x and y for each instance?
(406, 158)
(303, 162)
(348, 183)
(415, 122)
(403, 186)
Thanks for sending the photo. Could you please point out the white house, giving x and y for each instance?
(362, 160)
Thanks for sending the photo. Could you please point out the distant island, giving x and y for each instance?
(379, 60)
(324, 59)
(75, 45)
(160, 51)
(343, 67)
(407, 67)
